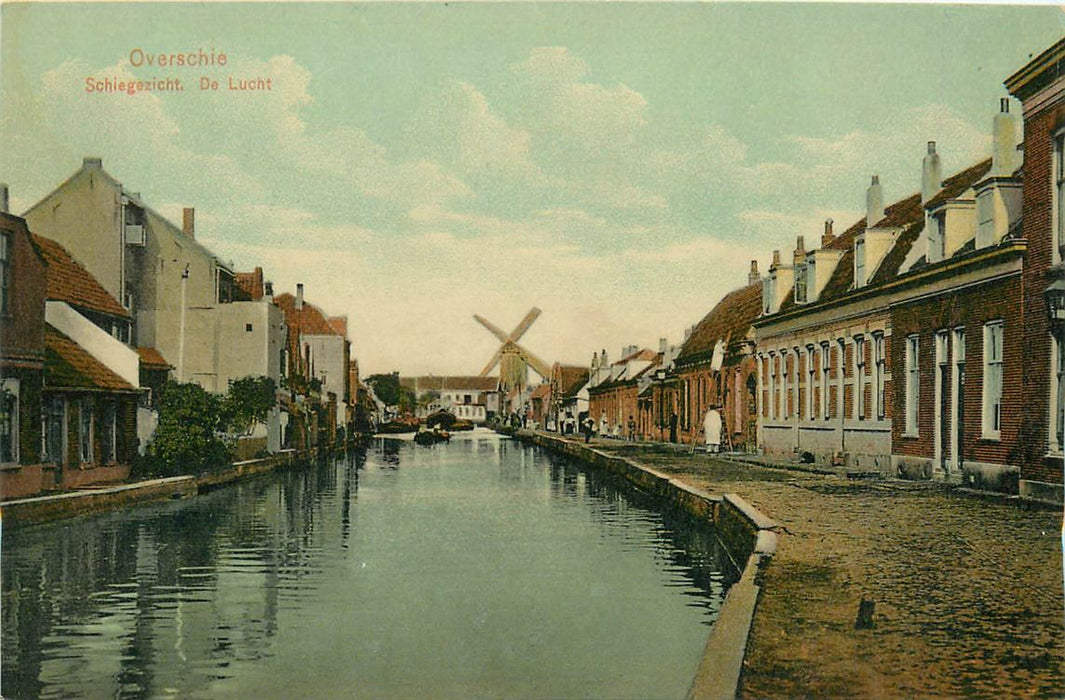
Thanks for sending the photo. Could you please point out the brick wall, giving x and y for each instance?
(1037, 221)
(970, 308)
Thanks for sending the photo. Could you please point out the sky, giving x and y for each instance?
(616, 165)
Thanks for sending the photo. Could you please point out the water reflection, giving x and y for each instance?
(483, 543)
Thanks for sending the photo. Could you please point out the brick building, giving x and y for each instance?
(863, 343)
(1040, 86)
(612, 398)
(23, 291)
(716, 368)
(569, 397)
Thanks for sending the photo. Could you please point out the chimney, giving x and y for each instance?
(776, 260)
(662, 345)
(299, 297)
(188, 222)
(931, 174)
(827, 236)
(752, 277)
(92, 163)
(1003, 142)
(800, 251)
(603, 361)
(268, 290)
(5, 205)
(874, 203)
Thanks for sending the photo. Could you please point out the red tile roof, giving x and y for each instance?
(309, 321)
(339, 324)
(906, 214)
(70, 282)
(68, 366)
(731, 318)
(541, 392)
(251, 283)
(572, 379)
(644, 355)
(153, 359)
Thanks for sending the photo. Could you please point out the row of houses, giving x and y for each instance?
(103, 300)
(927, 339)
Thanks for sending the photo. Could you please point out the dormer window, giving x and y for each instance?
(859, 262)
(937, 237)
(801, 285)
(767, 295)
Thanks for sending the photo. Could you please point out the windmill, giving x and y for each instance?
(514, 361)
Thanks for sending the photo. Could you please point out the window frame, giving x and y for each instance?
(912, 362)
(11, 387)
(859, 377)
(880, 375)
(6, 254)
(993, 380)
(1057, 189)
(826, 366)
(86, 428)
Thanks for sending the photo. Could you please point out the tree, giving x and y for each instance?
(186, 440)
(249, 401)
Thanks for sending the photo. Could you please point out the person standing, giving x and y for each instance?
(632, 429)
(673, 419)
(712, 430)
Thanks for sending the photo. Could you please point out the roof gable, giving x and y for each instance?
(70, 282)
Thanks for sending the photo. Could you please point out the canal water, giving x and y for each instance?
(482, 568)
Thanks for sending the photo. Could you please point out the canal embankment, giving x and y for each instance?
(966, 593)
(748, 535)
(38, 509)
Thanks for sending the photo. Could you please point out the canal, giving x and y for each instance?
(481, 568)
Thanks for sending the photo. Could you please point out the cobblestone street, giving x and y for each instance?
(968, 591)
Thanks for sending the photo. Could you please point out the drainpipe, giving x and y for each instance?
(181, 336)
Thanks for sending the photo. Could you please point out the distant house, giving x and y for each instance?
(612, 398)
(466, 397)
(317, 358)
(567, 400)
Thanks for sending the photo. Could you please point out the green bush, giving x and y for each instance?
(186, 440)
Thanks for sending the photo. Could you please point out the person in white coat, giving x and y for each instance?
(712, 430)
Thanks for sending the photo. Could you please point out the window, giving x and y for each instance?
(1059, 194)
(54, 433)
(785, 384)
(913, 378)
(85, 431)
(841, 350)
(992, 413)
(1057, 395)
(109, 434)
(9, 395)
(796, 374)
(859, 377)
(772, 385)
(825, 359)
(247, 328)
(800, 284)
(859, 262)
(810, 369)
(937, 244)
(767, 293)
(5, 272)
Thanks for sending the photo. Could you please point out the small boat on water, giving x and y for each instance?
(397, 426)
(431, 436)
